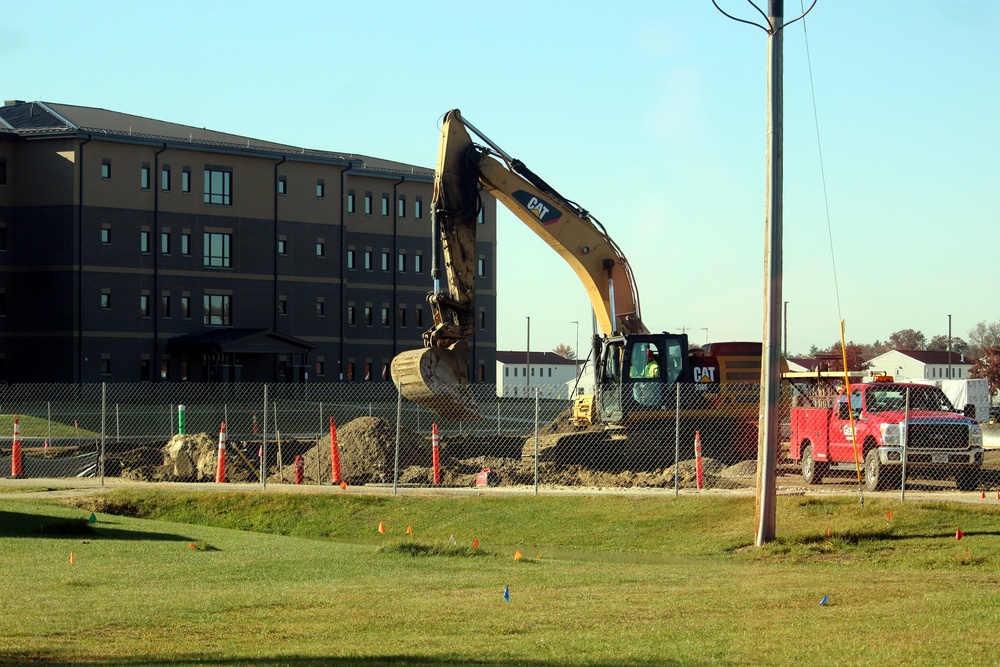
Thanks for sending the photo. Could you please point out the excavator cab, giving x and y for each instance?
(638, 372)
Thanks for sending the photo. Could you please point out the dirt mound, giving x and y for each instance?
(189, 458)
(367, 450)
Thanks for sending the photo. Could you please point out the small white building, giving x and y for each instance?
(921, 365)
(519, 375)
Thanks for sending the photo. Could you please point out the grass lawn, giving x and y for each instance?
(219, 578)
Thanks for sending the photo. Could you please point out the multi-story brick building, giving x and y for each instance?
(135, 249)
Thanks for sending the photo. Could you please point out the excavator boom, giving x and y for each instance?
(437, 375)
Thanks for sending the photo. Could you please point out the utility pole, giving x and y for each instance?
(770, 385)
(949, 347)
(769, 430)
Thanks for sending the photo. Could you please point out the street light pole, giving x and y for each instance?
(527, 365)
(705, 329)
(576, 350)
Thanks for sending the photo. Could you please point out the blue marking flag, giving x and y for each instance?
(824, 600)
(506, 593)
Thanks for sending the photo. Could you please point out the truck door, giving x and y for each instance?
(841, 441)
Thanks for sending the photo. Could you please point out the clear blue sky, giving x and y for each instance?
(650, 114)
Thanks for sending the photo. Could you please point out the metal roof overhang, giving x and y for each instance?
(242, 341)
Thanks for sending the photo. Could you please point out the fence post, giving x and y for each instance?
(536, 441)
(180, 418)
(905, 435)
(399, 419)
(677, 439)
(104, 413)
(263, 446)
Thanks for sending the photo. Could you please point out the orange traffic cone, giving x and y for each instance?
(343, 486)
(72, 558)
(475, 545)
(381, 527)
(409, 530)
(982, 494)
(889, 515)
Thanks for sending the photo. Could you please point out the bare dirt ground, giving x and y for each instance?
(367, 452)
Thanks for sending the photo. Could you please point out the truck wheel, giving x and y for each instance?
(876, 475)
(967, 479)
(812, 471)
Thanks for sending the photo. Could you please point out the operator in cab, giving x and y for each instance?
(652, 365)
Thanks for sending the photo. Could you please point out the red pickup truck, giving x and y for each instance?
(889, 419)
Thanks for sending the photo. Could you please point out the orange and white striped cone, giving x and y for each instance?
(16, 457)
(220, 470)
(699, 470)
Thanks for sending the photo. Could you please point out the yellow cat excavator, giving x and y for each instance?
(636, 371)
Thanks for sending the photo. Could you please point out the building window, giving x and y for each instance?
(481, 267)
(368, 260)
(106, 236)
(385, 204)
(320, 249)
(385, 260)
(144, 177)
(368, 203)
(351, 315)
(144, 241)
(320, 366)
(282, 305)
(350, 201)
(105, 364)
(165, 306)
(350, 371)
(217, 249)
(402, 262)
(385, 316)
(3, 237)
(368, 371)
(218, 186)
(186, 307)
(402, 316)
(144, 305)
(418, 318)
(350, 259)
(368, 316)
(165, 243)
(218, 310)
(418, 263)
(401, 207)
(164, 367)
(282, 247)
(165, 179)
(320, 189)
(106, 300)
(144, 369)
(186, 244)
(186, 179)
(3, 171)
(418, 208)
(481, 217)
(482, 319)
(106, 169)
(282, 185)
(320, 307)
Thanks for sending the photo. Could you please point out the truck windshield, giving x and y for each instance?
(892, 398)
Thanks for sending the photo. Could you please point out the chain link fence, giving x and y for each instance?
(683, 436)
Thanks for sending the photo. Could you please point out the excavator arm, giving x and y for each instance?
(437, 376)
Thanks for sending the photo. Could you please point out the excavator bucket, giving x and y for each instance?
(437, 379)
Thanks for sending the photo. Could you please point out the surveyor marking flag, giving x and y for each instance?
(506, 593)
